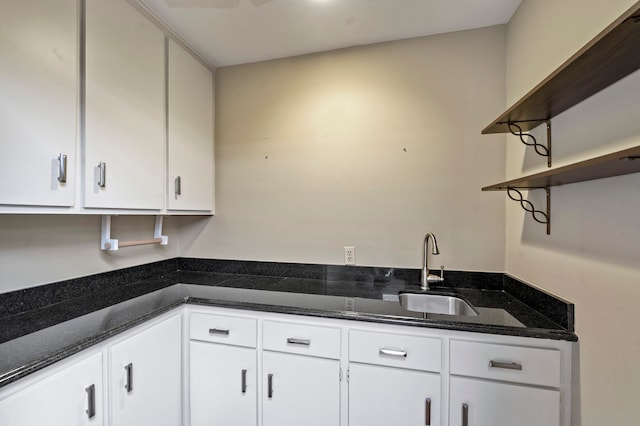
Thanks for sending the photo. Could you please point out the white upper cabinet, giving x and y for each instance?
(125, 114)
(190, 132)
(38, 106)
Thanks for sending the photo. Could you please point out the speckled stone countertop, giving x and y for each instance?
(42, 325)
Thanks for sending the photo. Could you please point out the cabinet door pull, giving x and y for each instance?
(505, 365)
(129, 384)
(102, 174)
(62, 168)
(91, 401)
(244, 381)
(427, 420)
(296, 341)
(270, 385)
(223, 331)
(178, 185)
(393, 352)
(465, 414)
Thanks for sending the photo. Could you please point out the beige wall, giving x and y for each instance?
(592, 256)
(370, 146)
(39, 249)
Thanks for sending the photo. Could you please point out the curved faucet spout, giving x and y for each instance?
(426, 277)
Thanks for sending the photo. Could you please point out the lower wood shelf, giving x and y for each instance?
(618, 163)
(615, 164)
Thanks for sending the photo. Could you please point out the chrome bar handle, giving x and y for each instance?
(102, 174)
(465, 414)
(505, 365)
(393, 352)
(62, 168)
(270, 385)
(91, 401)
(427, 420)
(129, 383)
(296, 341)
(223, 331)
(244, 381)
(178, 185)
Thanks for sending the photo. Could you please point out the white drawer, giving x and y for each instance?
(236, 331)
(519, 364)
(323, 342)
(396, 350)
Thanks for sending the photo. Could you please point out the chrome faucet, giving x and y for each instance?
(428, 278)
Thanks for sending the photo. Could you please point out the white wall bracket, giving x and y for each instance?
(111, 244)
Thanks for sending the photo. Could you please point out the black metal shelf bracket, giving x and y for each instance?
(544, 151)
(538, 215)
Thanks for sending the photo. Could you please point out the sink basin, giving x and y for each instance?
(430, 303)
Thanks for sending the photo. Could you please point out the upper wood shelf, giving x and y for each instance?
(610, 56)
(618, 163)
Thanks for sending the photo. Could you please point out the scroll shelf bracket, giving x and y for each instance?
(111, 244)
(542, 150)
(538, 215)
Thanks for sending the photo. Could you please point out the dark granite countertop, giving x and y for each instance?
(43, 325)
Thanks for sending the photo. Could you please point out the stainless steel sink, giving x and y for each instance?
(430, 303)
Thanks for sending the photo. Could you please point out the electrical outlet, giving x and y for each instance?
(349, 255)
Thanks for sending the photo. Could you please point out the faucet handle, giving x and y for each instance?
(442, 272)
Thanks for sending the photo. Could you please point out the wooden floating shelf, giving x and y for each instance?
(615, 164)
(610, 56)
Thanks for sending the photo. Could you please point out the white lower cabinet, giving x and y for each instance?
(300, 374)
(504, 385)
(145, 376)
(223, 385)
(394, 379)
(477, 402)
(300, 390)
(71, 395)
(223, 370)
(391, 396)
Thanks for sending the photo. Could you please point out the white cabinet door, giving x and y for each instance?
(38, 105)
(300, 390)
(190, 132)
(145, 377)
(391, 396)
(486, 403)
(223, 385)
(124, 108)
(62, 399)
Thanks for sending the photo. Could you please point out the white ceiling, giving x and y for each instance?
(229, 32)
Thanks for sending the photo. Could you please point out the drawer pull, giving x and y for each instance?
(427, 420)
(270, 385)
(178, 185)
(62, 168)
(102, 174)
(294, 341)
(91, 401)
(505, 365)
(244, 381)
(222, 331)
(129, 384)
(393, 352)
(465, 415)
